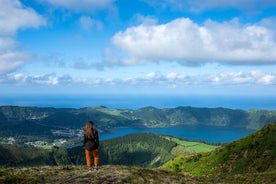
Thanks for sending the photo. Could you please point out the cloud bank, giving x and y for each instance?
(189, 43)
(255, 77)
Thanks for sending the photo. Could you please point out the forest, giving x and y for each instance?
(141, 149)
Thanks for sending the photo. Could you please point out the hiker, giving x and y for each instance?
(91, 145)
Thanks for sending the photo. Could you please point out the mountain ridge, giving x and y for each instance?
(143, 117)
(30, 124)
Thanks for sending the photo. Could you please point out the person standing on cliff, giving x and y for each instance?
(91, 145)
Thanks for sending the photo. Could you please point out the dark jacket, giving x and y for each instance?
(91, 143)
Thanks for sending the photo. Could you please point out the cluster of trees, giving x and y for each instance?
(24, 156)
(144, 149)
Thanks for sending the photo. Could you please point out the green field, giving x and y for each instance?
(192, 146)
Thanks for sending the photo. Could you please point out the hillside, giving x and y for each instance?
(35, 123)
(251, 159)
(142, 149)
(255, 153)
(22, 156)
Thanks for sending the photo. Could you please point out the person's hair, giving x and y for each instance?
(88, 130)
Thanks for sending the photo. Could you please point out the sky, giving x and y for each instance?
(181, 47)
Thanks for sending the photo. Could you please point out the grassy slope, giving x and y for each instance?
(255, 153)
(192, 146)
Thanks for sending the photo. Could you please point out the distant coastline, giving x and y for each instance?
(138, 101)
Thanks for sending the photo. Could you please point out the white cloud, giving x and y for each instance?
(153, 75)
(47, 79)
(81, 5)
(264, 78)
(233, 78)
(189, 43)
(173, 76)
(152, 79)
(11, 60)
(50, 80)
(20, 77)
(6, 43)
(14, 16)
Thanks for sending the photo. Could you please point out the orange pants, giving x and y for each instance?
(88, 155)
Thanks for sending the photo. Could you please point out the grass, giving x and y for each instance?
(254, 154)
(114, 112)
(193, 146)
(108, 174)
(80, 174)
(189, 163)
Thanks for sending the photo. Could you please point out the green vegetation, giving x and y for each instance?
(192, 146)
(252, 154)
(134, 149)
(40, 123)
(35, 125)
(248, 160)
(24, 156)
(142, 149)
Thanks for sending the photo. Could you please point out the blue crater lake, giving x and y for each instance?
(209, 134)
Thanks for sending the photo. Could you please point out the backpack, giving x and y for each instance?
(91, 144)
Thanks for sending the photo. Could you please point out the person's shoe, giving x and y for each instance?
(96, 168)
(90, 170)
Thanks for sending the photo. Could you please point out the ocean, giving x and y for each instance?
(139, 101)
